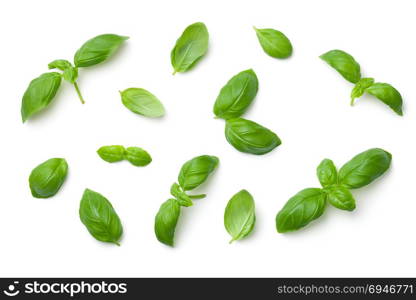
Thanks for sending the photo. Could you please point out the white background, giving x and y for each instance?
(302, 99)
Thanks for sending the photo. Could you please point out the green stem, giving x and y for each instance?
(352, 101)
(79, 93)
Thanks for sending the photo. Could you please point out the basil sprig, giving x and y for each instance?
(115, 153)
(192, 174)
(47, 178)
(346, 65)
(309, 204)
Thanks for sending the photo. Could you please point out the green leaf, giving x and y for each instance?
(327, 173)
(190, 47)
(39, 94)
(301, 209)
(182, 198)
(344, 63)
(364, 168)
(70, 74)
(196, 197)
(47, 178)
(239, 216)
(98, 49)
(340, 197)
(60, 64)
(236, 96)
(137, 156)
(142, 102)
(274, 42)
(111, 154)
(388, 95)
(195, 171)
(166, 220)
(100, 218)
(250, 137)
(360, 88)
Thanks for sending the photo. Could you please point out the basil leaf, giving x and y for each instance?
(137, 156)
(236, 96)
(360, 88)
(340, 197)
(274, 42)
(100, 218)
(70, 74)
(196, 197)
(166, 220)
(344, 63)
(47, 178)
(111, 154)
(301, 209)
(364, 168)
(60, 64)
(182, 198)
(98, 49)
(239, 216)
(190, 47)
(195, 171)
(388, 95)
(327, 173)
(250, 137)
(39, 94)
(142, 102)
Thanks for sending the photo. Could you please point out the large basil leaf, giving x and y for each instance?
(190, 47)
(239, 216)
(166, 220)
(137, 156)
(250, 137)
(344, 63)
(47, 178)
(301, 209)
(274, 42)
(236, 96)
(111, 154)
(327, 173)
(142, 102)
(364, 168)
(98, 49)
(340, 197)
(40, 93)
(195, 171)
(388, 95)
(360, 88)
(100, 218)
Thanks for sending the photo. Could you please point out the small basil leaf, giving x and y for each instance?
(100, 218)
(190, 47)
(40, 93)
(236, 96)
(239, 216)
(47, 178)
(274, 42)
(327, 173)
(182, 198)
(137, 156)
(364, 168)
(70, 74)
(388, 95)
(340, 197)
(196, 197)
(60, 64)
(166, 220)
(98, 49)
(301, 209)
(142, 102)
(360, 88)
(195, 171)
(250, 137)
(111, 153)
(344, 63)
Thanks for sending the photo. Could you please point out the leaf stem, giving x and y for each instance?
(352, 101)
(79, 93)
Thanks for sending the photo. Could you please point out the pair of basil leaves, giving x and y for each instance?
(309, 204)
(232, 102)
(349, 68)
(42, 90)
(192, 174)
(115, 153)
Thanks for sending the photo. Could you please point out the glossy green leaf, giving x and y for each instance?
(142, 102)
(182, 198)
(197, 197)
(47, 178)
(250, 137)
(137, 156)
(340, 197)
(60, 64)
(236, 96)
(344, 63)
(327, 173)
(98, 49)
(364, 168)
(112, 154)
(388, 95)
(239, 216)
(100, 218)
(301, 209)
(195, 171)
(190, 47)
(166, 220)
(39, 94)
(274, 42)
(360, 88)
